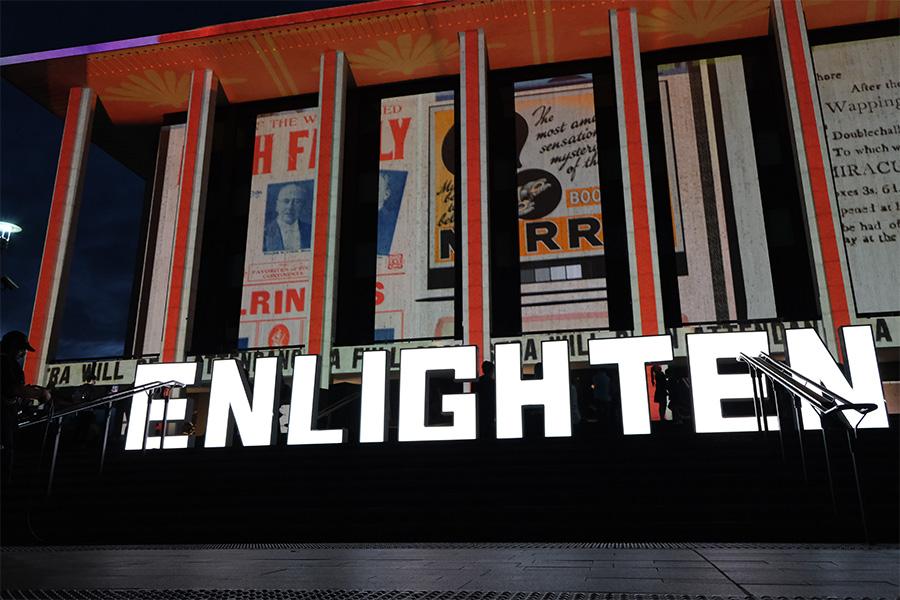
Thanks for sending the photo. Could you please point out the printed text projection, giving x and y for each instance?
(233, 406)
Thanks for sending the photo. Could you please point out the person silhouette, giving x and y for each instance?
(661, 394)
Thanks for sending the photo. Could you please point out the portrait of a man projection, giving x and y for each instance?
(288, 216)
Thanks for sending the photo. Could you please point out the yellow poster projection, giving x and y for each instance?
(414, 287)
(561, 252)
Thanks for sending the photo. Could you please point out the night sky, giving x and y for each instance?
(94, 321)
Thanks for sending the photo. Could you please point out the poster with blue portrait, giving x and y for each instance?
(288, 216)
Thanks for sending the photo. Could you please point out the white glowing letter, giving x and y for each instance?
(710, 387)
(631, 355)
(305, 406)
(229, 393)
(415, 364)
(809, 356)
(551, 392)
(372, 414)
(185, 373)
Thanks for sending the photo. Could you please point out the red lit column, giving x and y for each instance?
(334, 75)
(812, 164)
(643, 264)
(476, 315)
(189, 217)
(61, 224)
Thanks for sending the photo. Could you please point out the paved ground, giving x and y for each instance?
(738, 570)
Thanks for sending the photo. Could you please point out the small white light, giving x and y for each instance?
(7, 229)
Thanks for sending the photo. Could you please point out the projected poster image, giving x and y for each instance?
(171, 146)
(278, 260)
(722, 257)
(858, 90)
(414, 288)
(561, 252)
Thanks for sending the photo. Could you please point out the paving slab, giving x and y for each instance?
(740, 571)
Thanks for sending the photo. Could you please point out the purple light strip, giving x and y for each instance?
(79, 50)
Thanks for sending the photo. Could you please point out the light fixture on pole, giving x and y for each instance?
(7, 229)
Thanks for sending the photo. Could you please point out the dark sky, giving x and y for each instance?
(94, 321)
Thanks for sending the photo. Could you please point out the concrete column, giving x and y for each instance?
(189, 218)
(334, 77)
(63, 219)
(473, 198)
(812, 164)
(640, 222)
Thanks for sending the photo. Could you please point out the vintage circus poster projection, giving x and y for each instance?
(859, 90)
(278, 260)
(415, 258)
(563, 271)
(171, 142)
(722, 257)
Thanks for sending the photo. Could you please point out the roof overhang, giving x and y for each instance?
(140, 80)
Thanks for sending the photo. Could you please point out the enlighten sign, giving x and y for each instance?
(233, 404)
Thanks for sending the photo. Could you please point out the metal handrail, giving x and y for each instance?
(825, 402)
(339, 404)
(92, 404)
(108, 401)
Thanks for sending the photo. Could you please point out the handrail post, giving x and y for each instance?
(828, 470)
(859, 496)
(762, 402)
(756, 397)
(778, 418)
(147, 421)
(105, 436)
(796, 403)
(53, 456)
(162, 437)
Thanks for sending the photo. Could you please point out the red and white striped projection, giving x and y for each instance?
(722, 258)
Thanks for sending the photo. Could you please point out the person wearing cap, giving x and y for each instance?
(13, 390)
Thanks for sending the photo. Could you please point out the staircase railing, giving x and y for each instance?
(832, 409)
(104, 402)
(57, 414)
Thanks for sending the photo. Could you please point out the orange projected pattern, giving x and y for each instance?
(393, 40)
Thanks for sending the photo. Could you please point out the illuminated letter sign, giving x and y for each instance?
(230, 403)
(185, 373)
(710, 387)
(229, 395)
(551, 392)
(373, 399)
(305, 406)
(632, 355)
(415, 365)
